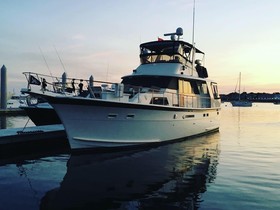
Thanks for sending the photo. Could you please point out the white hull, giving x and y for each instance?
(122, 126)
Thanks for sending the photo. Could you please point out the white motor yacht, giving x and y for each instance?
(167, 97)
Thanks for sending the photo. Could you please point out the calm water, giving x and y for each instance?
(236, 168)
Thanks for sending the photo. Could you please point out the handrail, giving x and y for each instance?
(68, 78)
(175, 99)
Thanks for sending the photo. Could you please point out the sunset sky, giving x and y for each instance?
(101, 38)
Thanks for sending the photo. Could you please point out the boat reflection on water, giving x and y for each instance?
(3, 122)
(170, 176)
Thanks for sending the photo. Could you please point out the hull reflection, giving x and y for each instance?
(3, 122)
(170, 176)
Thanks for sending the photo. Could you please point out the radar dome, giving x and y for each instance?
(179, 31)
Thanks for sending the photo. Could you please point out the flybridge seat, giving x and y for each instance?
(166, 51)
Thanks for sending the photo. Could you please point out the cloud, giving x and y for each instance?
(80, 37)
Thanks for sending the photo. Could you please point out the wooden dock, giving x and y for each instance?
(18, 141)
(12, 112)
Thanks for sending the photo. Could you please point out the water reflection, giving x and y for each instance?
(166, 177)
(3, 122)
(15, 122)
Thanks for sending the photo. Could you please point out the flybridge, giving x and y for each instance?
(173, 51)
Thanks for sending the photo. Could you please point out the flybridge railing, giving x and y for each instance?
(94, 89)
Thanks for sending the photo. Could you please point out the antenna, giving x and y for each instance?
(60, 59)
(45, 60)
(193, 22)
(193, 43)
(46, 63)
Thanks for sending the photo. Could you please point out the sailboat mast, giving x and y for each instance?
(239, 85)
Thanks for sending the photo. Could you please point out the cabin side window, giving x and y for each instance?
(215, 90)
(159, 101)
(202, 87)
(186, 92)
(150, 82)
(187, 88)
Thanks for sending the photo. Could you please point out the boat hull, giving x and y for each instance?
(41, 115)
(116, 124)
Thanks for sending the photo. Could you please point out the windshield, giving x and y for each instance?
(150, 82)
(163, 51)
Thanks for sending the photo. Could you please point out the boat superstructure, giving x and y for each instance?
(167, 97)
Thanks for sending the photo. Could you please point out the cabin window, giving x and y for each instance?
(149, 82)
(202, 87)
(215, 90)
(194, 87)
(186, 91)
(130, 116)
(159, 101)
(112, 115)
(185, 87)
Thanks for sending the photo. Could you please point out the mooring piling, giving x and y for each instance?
(3, 87)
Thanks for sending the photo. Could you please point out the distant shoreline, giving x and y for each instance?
(253, 97)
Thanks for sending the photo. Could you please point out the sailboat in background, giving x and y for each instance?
(241, 102)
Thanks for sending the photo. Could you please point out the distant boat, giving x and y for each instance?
(16, 101)
(241, 102)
